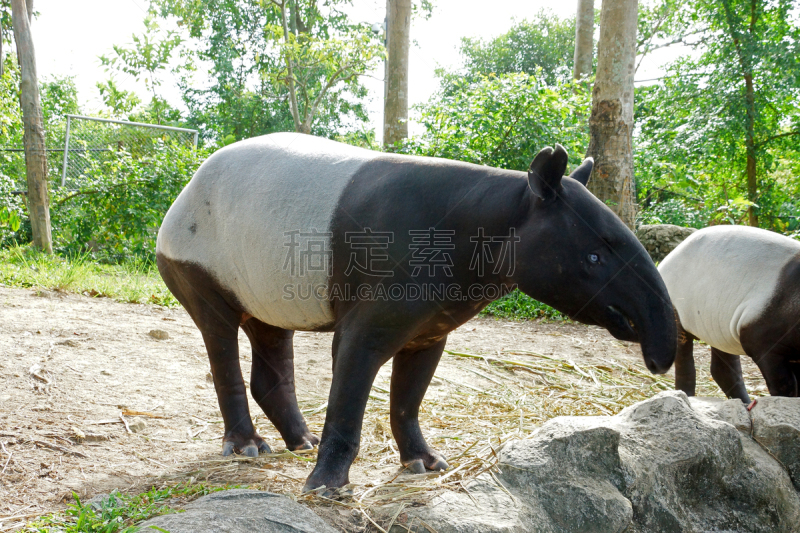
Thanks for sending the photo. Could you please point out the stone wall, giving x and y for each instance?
(661, 239)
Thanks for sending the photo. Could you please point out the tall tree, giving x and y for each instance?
(33, 139)
(611, 121)
(723, 126)
(395, 108)
(274, 64)
(584, 39)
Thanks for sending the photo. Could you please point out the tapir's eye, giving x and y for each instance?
(594, 258)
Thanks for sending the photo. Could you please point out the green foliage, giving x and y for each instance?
(519, 306)
(12, 166)
(729, 111)
(675, 211)
(119, 512)
(119, 101)
(502, 121)
(543, 46)
(9, 218)
(132, 281)
(116, 213)
(244, 47)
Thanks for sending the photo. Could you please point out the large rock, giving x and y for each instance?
(776, 427)
(241, 511)
(661, 239)
(665, 464)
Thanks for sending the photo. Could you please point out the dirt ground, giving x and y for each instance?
(91, 402)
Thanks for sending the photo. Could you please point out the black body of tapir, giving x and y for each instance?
(737, 289)
(292, 232)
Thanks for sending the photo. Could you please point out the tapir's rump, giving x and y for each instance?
(722, 278)
(243, 214)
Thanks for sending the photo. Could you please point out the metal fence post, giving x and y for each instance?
(66, 154)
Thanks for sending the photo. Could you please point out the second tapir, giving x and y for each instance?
(291, 232)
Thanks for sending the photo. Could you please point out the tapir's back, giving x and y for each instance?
(721, 279)
(256, 216)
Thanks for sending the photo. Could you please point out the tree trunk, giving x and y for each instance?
(293, 107)
(395, 110)
(611, 123)
(750, 144)
(35, 153)
(584, 39)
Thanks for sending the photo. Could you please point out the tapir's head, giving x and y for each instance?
(576, 255)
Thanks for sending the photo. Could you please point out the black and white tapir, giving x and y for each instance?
(737, 289)
(292, 232)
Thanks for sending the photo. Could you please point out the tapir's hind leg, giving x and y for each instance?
(412, 371)
(272, 382)
(217, 317)
(778, 373)
(726, 369)
(685, 373)
(359, 351)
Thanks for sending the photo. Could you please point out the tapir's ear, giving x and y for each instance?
(547, 169)
(583, 172)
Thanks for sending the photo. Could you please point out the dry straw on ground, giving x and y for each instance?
(469, 426)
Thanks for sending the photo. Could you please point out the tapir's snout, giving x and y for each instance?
(641, 312)
(656, 329)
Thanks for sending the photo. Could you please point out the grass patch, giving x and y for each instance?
(130, 282)
(139, 282)
(119, 512)
(519, 306)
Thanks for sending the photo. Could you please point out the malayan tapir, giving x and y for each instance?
(292, 232)
(737, 289)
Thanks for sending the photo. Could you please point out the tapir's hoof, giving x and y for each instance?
(332, 493)
(227, 448)
(250, 447)
(439, 464)
(416, 466)
(309, 441)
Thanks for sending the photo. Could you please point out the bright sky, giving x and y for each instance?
(69, 36)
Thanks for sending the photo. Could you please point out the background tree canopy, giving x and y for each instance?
(716, 139)
(719, 136)
(253, 68)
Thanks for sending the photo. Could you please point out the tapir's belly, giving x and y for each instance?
(257, 215)
(722, 278)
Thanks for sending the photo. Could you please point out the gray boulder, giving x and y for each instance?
(241, 511)
(664, 464)
(661, 239)
(776, 427)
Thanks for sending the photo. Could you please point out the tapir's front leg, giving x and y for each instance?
(359, 353)
(412, 371)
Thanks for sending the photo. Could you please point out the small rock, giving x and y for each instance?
(72, 343)
(107, 501)
(159, 334)
(105, 372)
(209, 377)
(242, 511)
(77, 434)
(137, 425)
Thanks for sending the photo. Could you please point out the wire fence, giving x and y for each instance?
(81, 143)
(91, 141)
